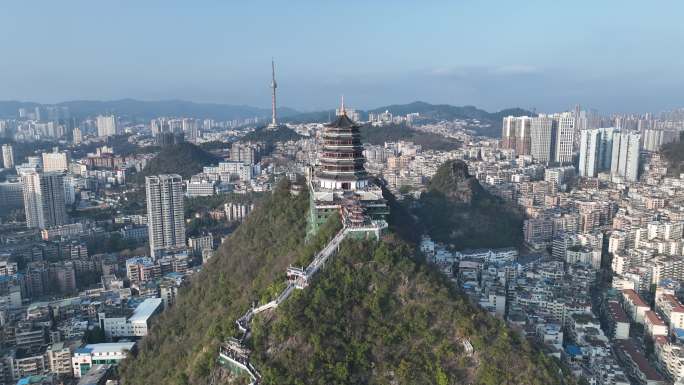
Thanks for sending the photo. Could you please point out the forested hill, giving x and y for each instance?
(674, 154)
(376, 316)
(271, 136)
(250, 265)
(457, 210)
(184, 159)
(373, 316)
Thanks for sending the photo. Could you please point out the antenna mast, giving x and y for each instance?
(274, 85)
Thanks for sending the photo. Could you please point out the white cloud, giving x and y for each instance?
(480, 71)
(515, 70)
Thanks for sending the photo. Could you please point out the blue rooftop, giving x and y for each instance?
(139, 260)
(679, 333)
(573, 350)
(32, 380)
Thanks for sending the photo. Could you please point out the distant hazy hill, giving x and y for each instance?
(458, 210)
(397, 132)
(448, 112)
(144, 110)
(430, 111)
(150, 109)
(184, 159)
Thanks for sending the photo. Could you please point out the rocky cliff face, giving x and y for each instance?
(454, 181)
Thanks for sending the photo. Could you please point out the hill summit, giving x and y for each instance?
(457, 210)
(374, 315)
(454, 181)
(184, 159)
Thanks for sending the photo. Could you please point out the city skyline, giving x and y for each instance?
(460, 54)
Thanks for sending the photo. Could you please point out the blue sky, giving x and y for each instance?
(611, 55)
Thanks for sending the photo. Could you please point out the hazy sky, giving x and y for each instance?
(611, 55)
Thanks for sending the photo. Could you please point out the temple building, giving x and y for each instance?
(340, 184)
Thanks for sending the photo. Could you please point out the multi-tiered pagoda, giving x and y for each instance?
(340, 183)
(341, 156)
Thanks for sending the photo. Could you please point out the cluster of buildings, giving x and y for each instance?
(601, 216)
(57, 123)
(94, 258)
(597, 282)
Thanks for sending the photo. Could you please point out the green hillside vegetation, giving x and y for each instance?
(397, 132)
(196, 212)
(249, 266)
(674, 153)
(199, 204)
(119, 143)
(184, 159)
(457, 210)
(374, 316)
(262, 134)
(24, 149)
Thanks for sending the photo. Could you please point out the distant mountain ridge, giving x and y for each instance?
(145, 110)
(431, 111)
(448, 112)
(151, 109)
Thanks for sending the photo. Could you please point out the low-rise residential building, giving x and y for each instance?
(635, 306)
(135, 325)
(654, 325)
(618, 322)
(59, 358)
(99, 354)
(637, 364)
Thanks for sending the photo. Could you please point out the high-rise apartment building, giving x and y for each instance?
(77, 135)
(653, 139)
(7, 156)
(596, 149)
(106, 125)
(55, 161)
(565, 132)
(44, 202)
(542, 136)
(552, 138)
(190, 129)
(625, 155)
(165, 221)
(515, 134)
(589, 153)
(245, 152)
(606, 148)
